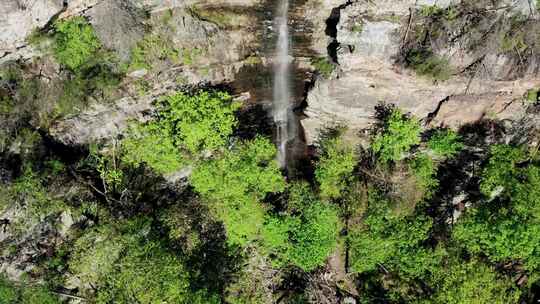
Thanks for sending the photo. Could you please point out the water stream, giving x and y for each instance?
(282, 84)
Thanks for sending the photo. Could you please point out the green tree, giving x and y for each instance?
(399, 135)
(425, 171)
(153, 145)
(505, 227)
(185, 127)
(236, 182)
(75, 42)
(501, 170)
(387, 238)
(462, 282)
(314, 236)
(445, 143)
(335, 168)
(307, 235)
(199, 123)
(126, 263)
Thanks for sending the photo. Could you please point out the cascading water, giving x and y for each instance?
(282, 89)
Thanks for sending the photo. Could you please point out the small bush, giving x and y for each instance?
(533, 95)
(150, 50)
(430, 10)
(75, 42)
(425, 63)
(323, 65)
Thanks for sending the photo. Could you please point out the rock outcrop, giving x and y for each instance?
(484, 81)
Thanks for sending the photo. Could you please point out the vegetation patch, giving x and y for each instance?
(323, 65)
(75, 42)
(425, 63)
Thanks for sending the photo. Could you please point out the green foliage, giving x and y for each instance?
(153, 145)
(96, 80)
(8, 292)
(152, 49)
(506, 228)
(75, 42)
(220, 17)
(335, 168)
(501, 170)
(430, 10)
(323, 65)
(426, 173)
(472, 282)
(425, 63)
(513, 42)
(236, 182)
(313, 236)
(305, 240)
(185, 127)
(29, 195)
(532, 95)
(445, 143)
(399, 135)
(125, 267)
(25, 294)
(357, 28)
(385, 238)
(198, 123)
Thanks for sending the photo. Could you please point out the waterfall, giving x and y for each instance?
(281, 89)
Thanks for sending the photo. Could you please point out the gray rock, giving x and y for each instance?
(19, 18)
(118, 25)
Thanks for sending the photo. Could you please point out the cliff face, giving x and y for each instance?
(482, 57)
(480, 70)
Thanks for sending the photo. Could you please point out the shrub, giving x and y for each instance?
(26, 294)
(532, 95)
(75, 42)
(425, 63)
(445, 143)
(152, 49)
(399, 135)
(323, 65)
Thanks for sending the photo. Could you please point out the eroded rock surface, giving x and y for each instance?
(485, 80)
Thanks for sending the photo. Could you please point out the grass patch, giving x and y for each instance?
(425, 63)
(323, 65)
